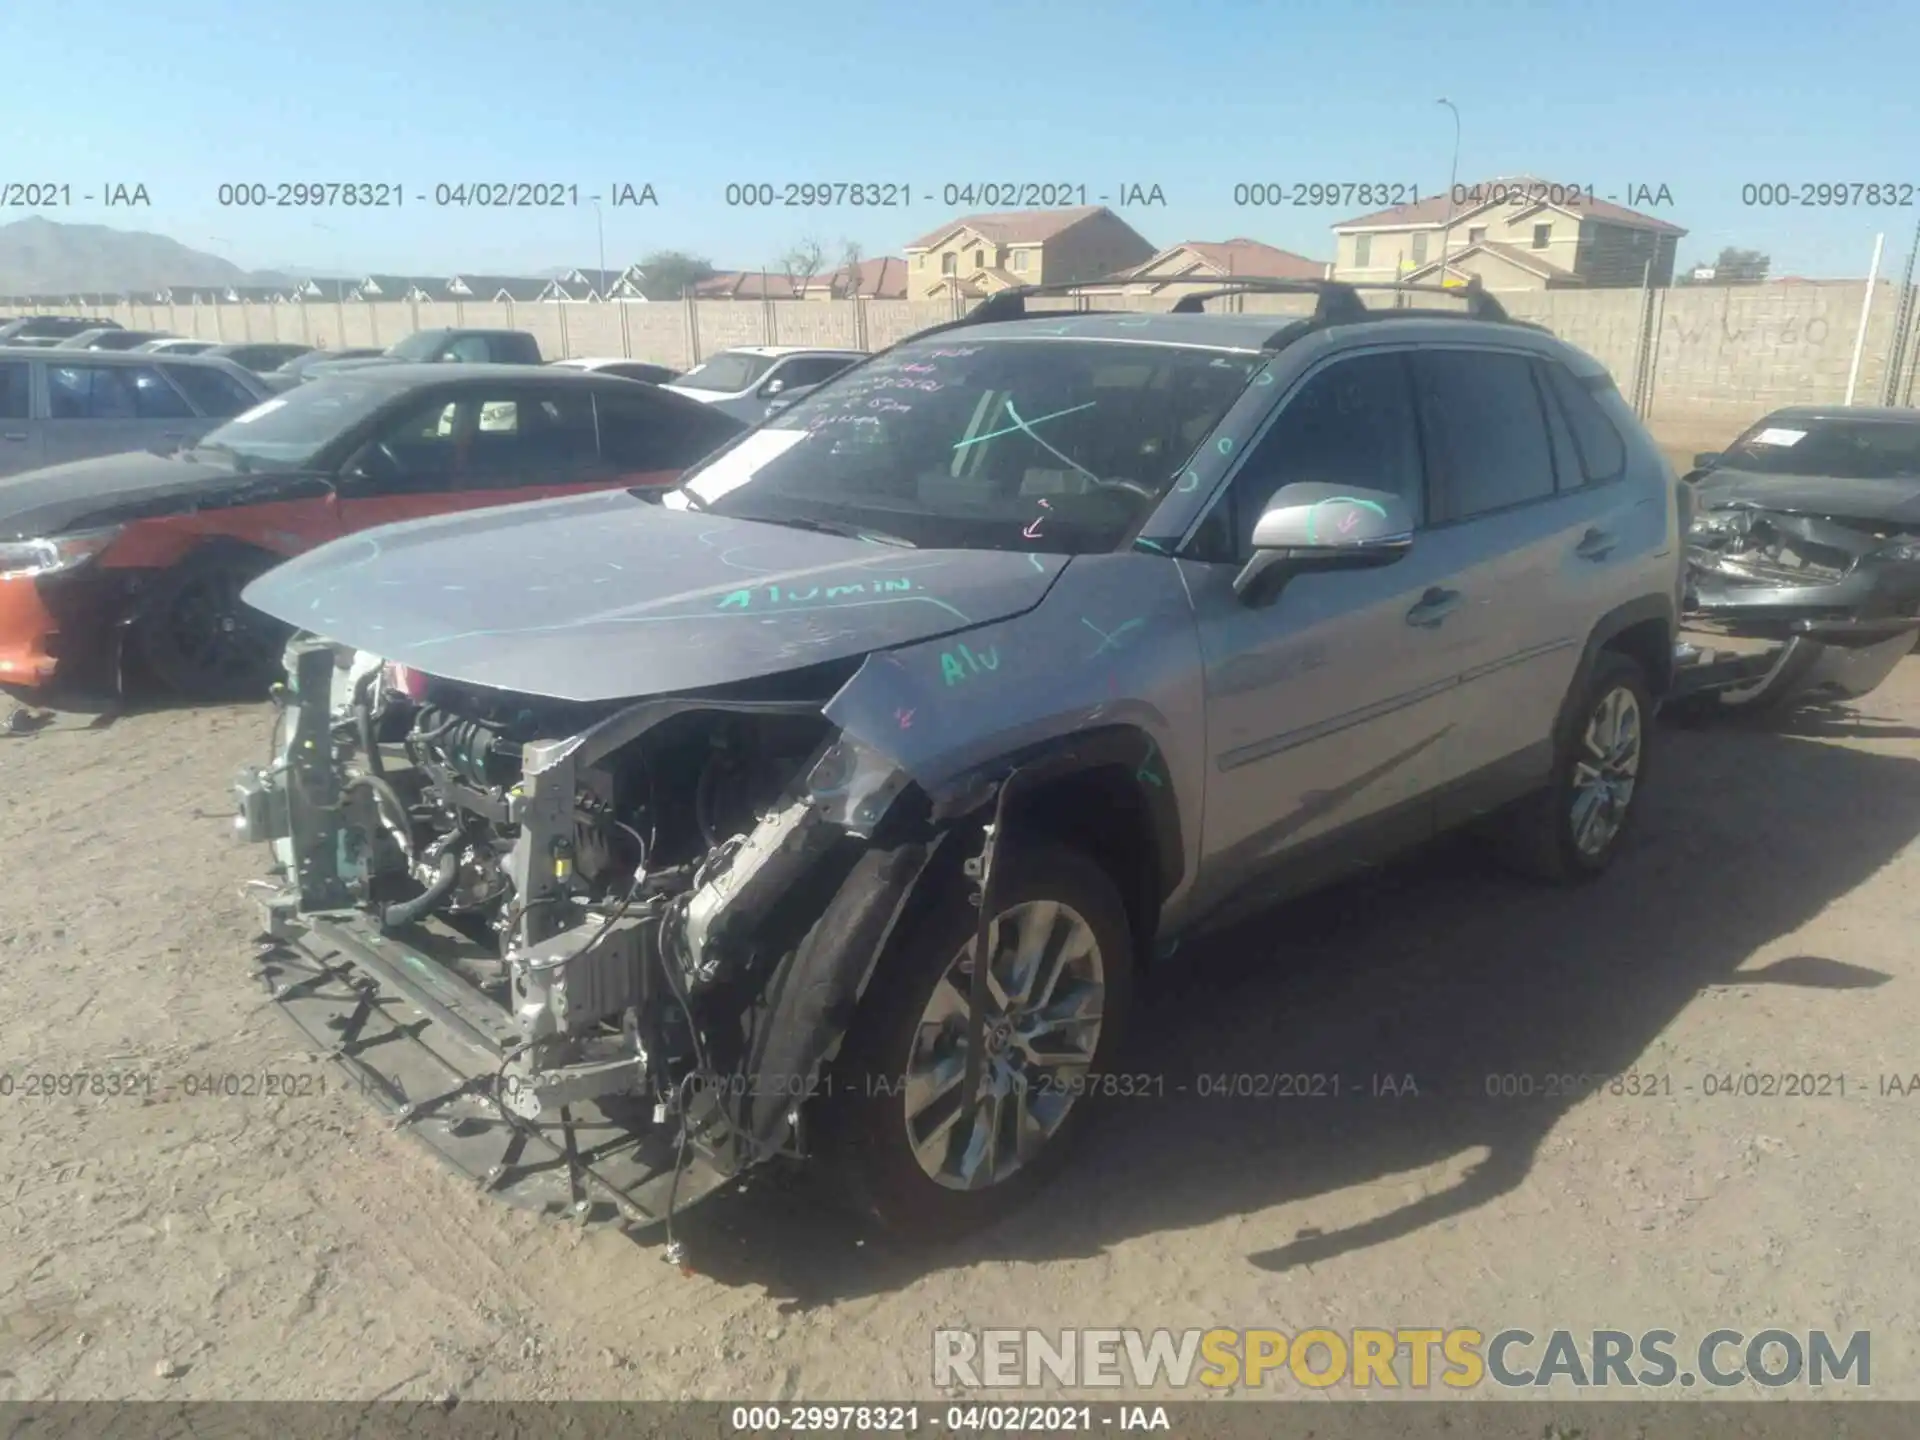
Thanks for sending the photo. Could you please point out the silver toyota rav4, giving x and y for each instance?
(830, 807)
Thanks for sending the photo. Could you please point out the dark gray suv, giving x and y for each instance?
(829, 808)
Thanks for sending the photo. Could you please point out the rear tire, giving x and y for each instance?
(901, 1065)
(200, 640)
(1570, 829)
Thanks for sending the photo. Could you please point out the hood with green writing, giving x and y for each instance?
(607, 596)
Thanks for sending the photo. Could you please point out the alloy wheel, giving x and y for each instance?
(1041, 1031)
(1605, 771)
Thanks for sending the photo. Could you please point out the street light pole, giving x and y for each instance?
(600, 229)
(1453, 180)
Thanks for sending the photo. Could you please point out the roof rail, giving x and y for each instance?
(1338, 301)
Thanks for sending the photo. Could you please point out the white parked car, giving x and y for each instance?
(742, 381)
(175, 345)
(622, 366)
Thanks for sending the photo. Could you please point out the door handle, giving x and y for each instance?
(1596, 544)
(13, 435)
(1433, 607)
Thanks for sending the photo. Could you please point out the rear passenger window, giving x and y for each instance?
(646, 433)
(13, 392)
(213, 392)
(1602, 453)
(1486, 433)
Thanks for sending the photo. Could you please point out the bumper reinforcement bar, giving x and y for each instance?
(429, 1049)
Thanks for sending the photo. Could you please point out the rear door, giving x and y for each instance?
(20, 433)
(98, 409)
(1531, 550)
(484, 445)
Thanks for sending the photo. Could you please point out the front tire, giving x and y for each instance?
(897, 1135)
(200, 640)
(1570, 830)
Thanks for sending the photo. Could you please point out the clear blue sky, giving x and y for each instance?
(182, 95)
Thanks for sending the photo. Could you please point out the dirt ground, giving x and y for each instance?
(297, 1248)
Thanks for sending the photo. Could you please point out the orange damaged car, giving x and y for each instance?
(126, 570)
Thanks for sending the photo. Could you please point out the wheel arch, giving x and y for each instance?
(1643, 630)
(1101, 790)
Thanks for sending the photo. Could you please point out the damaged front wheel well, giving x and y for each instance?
(1102, 812)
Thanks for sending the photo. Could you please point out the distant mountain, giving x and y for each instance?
(40, 256)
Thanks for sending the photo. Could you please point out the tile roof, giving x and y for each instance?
(1012, 227)
(1238, 256)
(1433, 209)
(745, 285)
(884, 277)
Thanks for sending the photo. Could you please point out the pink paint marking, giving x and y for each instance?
(1349, 520)
(1032, 532)
(905, 717)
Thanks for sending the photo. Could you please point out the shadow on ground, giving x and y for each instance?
(1440, 968)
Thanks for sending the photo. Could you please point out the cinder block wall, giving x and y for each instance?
(1719, 351)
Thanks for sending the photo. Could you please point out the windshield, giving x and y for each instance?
(422, 345)
(1055, 446)
(728, 372)
(289, 430)
(1834, 449)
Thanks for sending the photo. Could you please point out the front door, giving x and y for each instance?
(488, 445)
(1327, 708)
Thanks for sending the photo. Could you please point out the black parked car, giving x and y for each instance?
(1804, 551)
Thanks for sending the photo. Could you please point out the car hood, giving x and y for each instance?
(606, 596)
(1897, 502)
(134, 485)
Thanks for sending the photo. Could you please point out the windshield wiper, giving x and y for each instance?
(834, 527)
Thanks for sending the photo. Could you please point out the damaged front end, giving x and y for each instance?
(1785, 607)
(595, 955)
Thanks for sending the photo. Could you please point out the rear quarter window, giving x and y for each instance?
(1602, 454)
(212, 392)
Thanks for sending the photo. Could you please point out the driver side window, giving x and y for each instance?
(1350, 424)
(420, 453)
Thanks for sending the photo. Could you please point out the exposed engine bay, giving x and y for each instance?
(1787, 606)
(637, 944)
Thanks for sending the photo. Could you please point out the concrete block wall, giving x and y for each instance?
(1719, 352)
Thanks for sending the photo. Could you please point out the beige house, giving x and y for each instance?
(979, 255)
(1517, 233)
(1196, 266)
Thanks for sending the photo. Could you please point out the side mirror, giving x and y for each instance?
(1323, 527)
(1707, 459)
(773, 387)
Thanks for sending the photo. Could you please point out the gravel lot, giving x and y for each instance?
(297, 1248)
